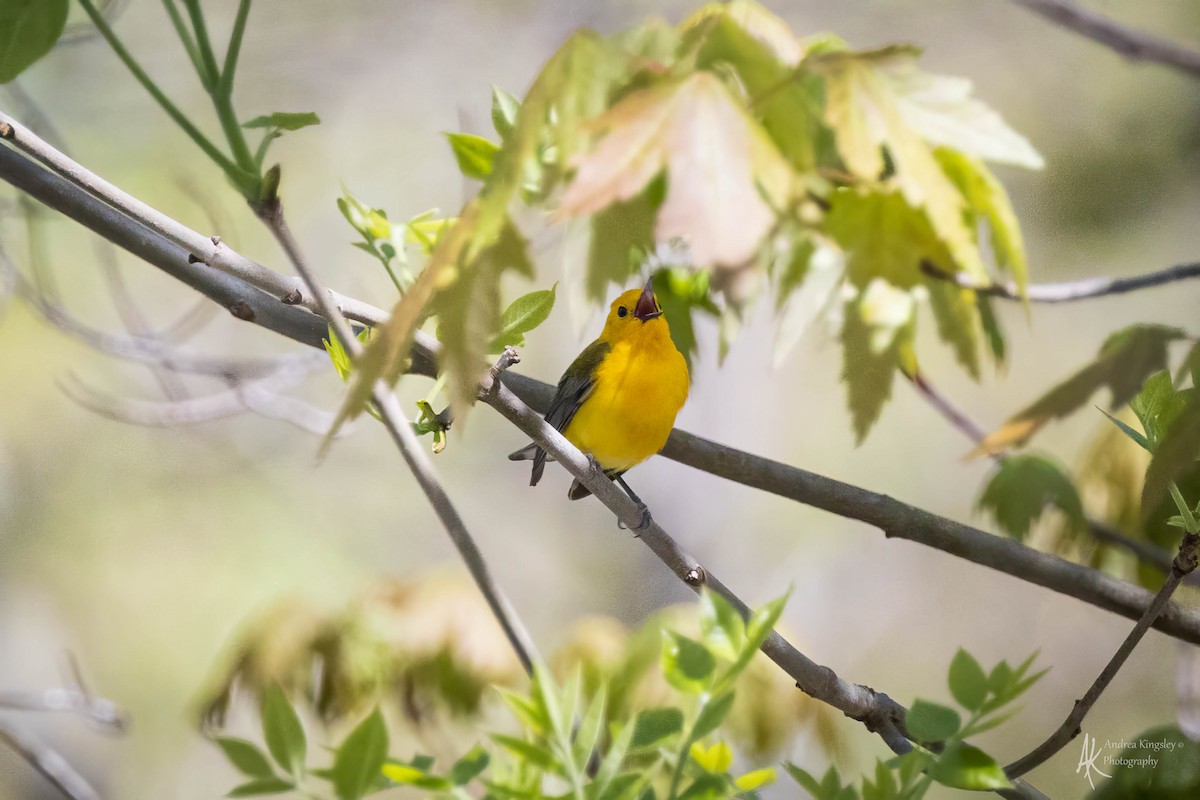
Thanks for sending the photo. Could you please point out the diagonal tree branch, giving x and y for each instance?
(211, 252)
(894, 518)
(1129, 42)
(406, 442)
(1071, 290)
(47, 761)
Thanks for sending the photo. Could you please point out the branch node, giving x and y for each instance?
(695, 576)
(7, 131)
(194, 259)
(1186, 558)
(293, 298)
(242, 311)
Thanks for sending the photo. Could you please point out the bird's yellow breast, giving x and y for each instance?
(640, 386)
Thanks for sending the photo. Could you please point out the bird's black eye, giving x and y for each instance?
(622, 311)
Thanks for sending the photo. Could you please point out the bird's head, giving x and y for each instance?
(633, 310)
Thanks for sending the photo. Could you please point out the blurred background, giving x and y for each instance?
(143, 551)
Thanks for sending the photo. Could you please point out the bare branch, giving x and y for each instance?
(902, 521)
(261, 397)
(207, 250)
(876, 710)
(1070, 291)
(1184, 563)
(47, 761)
(271, 212)
(155, 351)
(1129, 42)
(75, 699)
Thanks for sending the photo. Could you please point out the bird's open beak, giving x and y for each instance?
(647, 309)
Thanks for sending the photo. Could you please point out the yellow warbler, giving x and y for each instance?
(618, 400)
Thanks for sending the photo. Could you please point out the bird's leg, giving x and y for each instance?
(642, 508)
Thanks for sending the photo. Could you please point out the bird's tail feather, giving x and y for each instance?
(531, 452)
(525, 453)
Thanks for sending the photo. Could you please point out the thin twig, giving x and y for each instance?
(902, 521)
(406, 442)
(146, 350)
(260, 396)
(47, 761)
(1129, 42)
(1185, 562)
(208, 250)
(1069, 291)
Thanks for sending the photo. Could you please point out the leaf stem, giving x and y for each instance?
(231, 169)
(235, 47)
(203, 45)
(189, 44)
(220, 88)
(1189, 519)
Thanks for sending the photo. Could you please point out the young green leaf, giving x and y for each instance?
(385, 357)
(474, 154)
(883, 787)
(284, 121)
(470, 766)
(504, 111)
(654, 725)
(722, 627)
(523, 315)
(28, 30)
(753, 781)
(261, 786)
(283, 732)
(712, 714)
(687, 664)
(468, 310)
(408, 775)
(528, 712)
(758, 628)
(587, 736)
(930, 722)
(1022, 487)
(245, 756)
(615, 757)
(1138, 438)
(357, 765)
(968, 684)
(1157, 405)
(1176, 454)
(533, 753)
(868, 374)
(965, 767)
(1126, 359)
(716, 758)
(707, 787)
(987, 201)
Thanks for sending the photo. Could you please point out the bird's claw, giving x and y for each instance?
(643, 523)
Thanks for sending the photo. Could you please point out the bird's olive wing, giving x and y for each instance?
(574, 388)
